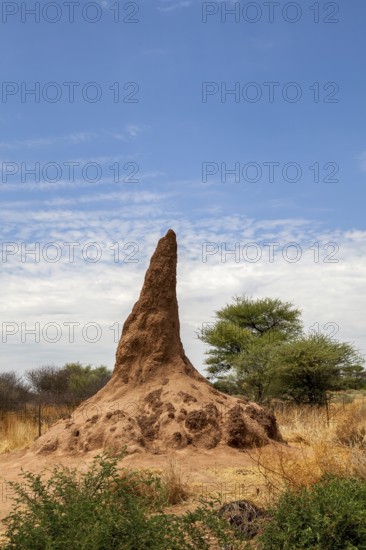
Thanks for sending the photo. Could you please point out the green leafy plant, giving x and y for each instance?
(105, 508)
(330, 515)
(309, 367)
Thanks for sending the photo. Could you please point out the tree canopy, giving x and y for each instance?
(258, 347)
(71, 383)
(240, 325)
(312, 365)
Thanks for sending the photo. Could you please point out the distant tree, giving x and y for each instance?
(49, 382)
(13, 391)
(353, 377)
(72, 383)
(307, 368)
(85, 381)
(228, 385)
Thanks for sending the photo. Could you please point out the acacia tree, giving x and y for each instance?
(244, 337)
(257, 347)
(307, 368)
(253, 367)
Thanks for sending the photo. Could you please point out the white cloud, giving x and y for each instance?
(133, 130)
(33, 143)
(80, 137)
(104, 292)
(172, 5)
(127, 132)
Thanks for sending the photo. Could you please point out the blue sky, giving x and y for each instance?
(170, 125)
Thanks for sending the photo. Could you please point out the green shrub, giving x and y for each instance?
(71, 383)
(106, 508)
(331, 515)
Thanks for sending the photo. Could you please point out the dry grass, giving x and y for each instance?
(343, 423)
(319, 442)
(18, 430)
(175, 486)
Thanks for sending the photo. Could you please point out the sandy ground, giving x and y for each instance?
(227, 473)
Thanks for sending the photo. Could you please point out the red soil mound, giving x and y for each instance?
(156, 400)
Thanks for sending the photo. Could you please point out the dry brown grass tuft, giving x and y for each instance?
(351, 426)
(142, 483)
(282, 467)
(174, 488)
(177, 489)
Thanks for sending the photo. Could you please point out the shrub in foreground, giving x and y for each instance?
(106, 508)
(331, 515)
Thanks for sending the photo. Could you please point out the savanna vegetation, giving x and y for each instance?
(259, 348)
(311, 492)
(29, 404)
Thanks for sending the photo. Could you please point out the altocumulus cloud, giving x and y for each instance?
(218, 258)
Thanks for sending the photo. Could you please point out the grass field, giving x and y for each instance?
(18, 430)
